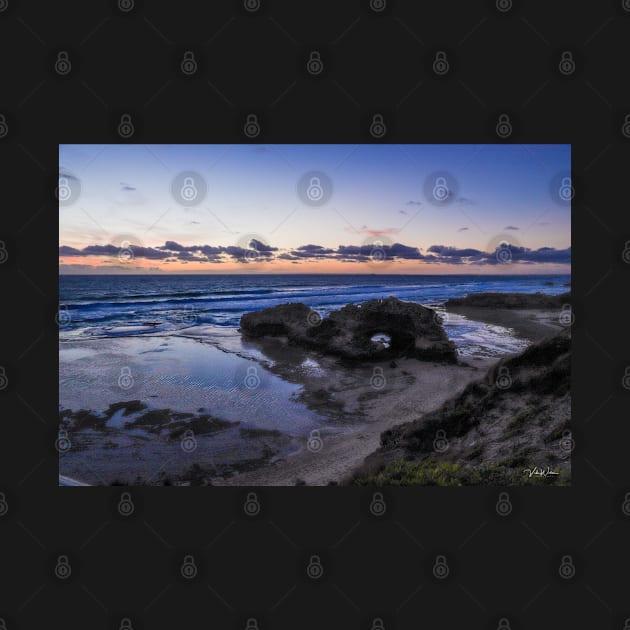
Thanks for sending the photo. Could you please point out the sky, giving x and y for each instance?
(369, 208)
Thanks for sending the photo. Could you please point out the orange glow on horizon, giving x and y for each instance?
(94, 264)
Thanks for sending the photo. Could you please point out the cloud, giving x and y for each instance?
(414, 203)
(371, 250)
(463, 229)
(172, 251)
(516, 254)
(124, 186)
(465, 201)
(511, 227)
(259, 246)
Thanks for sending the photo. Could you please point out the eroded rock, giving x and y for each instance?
(412, 330)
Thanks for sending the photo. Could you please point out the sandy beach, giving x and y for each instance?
(205, 406)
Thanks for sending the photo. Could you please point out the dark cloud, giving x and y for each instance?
(259, 246)
(516, 254)
(172, 251)
(463, 229)
(124, 186)
(362, 253)
(453, 252)
(312, 251)
(511, 227)
(173, 246)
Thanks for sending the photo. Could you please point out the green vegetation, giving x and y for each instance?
(431, 473)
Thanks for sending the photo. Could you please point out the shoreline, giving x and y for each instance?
(354, 412)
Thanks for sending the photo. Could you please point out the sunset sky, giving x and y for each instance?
(497, 209)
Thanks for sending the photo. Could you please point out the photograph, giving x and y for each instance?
(314, 315)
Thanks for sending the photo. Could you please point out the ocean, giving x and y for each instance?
(122, 305)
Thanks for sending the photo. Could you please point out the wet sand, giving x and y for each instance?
(267, 441)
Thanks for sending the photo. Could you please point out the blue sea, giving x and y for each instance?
(119, 305)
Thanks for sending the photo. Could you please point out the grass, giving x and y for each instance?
(431, 473)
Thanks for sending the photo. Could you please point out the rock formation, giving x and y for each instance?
(412, 330)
